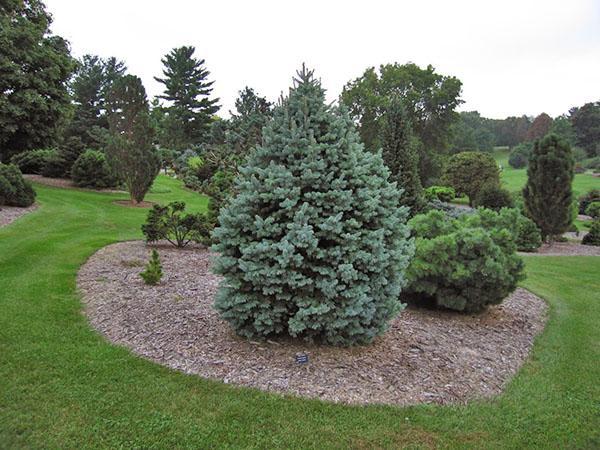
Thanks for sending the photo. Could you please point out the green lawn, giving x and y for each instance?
(515, 179)
(63, 386)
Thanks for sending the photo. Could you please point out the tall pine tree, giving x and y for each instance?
(314, 244)
(401, 157)
(130, 150)
(548, 193)
(188, 93)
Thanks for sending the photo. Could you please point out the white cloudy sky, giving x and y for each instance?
(513, 56)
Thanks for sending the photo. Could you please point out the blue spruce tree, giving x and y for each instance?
(314, 244)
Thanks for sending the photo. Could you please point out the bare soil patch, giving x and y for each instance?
(65, 183)
(426, 356)
(130, 204)
(9, 214)
(566, 249)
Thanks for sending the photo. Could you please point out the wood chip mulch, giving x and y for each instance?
(426, 356)
(8, 214)
(566, 249)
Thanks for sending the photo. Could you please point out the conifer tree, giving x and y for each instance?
(401, 157)
(130, 150)
(252, 112)
(187, 91)
(548, 193)
(314, 244)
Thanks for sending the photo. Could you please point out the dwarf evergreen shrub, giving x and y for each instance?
(92, 170)
(593, 195)
(153, 273)
(593, 210)
(441, 193)
(14, 189)
(314, 243)
(519, 156)
(465, 264)
(593, 236)
(33, 161)
(494, 197)
(171, 224)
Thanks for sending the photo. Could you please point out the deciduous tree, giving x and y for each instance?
(34, 66)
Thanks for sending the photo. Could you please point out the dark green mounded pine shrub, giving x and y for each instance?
(519, 156)
(593, 236)
(593, 195)
(14, 189)
(171, 224)
(153, 272)
(548, 195)
(464, 264)
(56, 166)
(441, 193)
(92, 170)
(593, 210)
(494, 197)
(33, 161)
(523, 230)
(314, 243)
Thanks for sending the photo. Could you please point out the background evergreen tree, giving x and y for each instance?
(548, 194)
(314, 244)
(401, 157)
(34, 68)
(130, 150)
(187, 91)
(252, 113)
(586, 122)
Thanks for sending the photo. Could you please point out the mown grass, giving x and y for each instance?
(63, 386)
(514, 179)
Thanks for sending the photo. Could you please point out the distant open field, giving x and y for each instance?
(515, 179)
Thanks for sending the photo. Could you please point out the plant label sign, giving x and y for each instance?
(301, 358)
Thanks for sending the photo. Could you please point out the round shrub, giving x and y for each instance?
(464, 264)
(468, 172)
(441, 193)
(56, 166)
(593, 237)
(584, 201)
(14, 189)
(529, 238)
(314, 244)
(494, 197)
(519, 156)
(33, 161)
(593, 210)
(92, 170)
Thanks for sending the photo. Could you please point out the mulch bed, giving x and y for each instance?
(9, 214)
(130, 204)
(566, 249)
(426, 356)
(65, 183)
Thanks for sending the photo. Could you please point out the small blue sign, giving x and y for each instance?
(301, 358)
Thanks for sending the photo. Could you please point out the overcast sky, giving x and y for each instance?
(513, 56)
